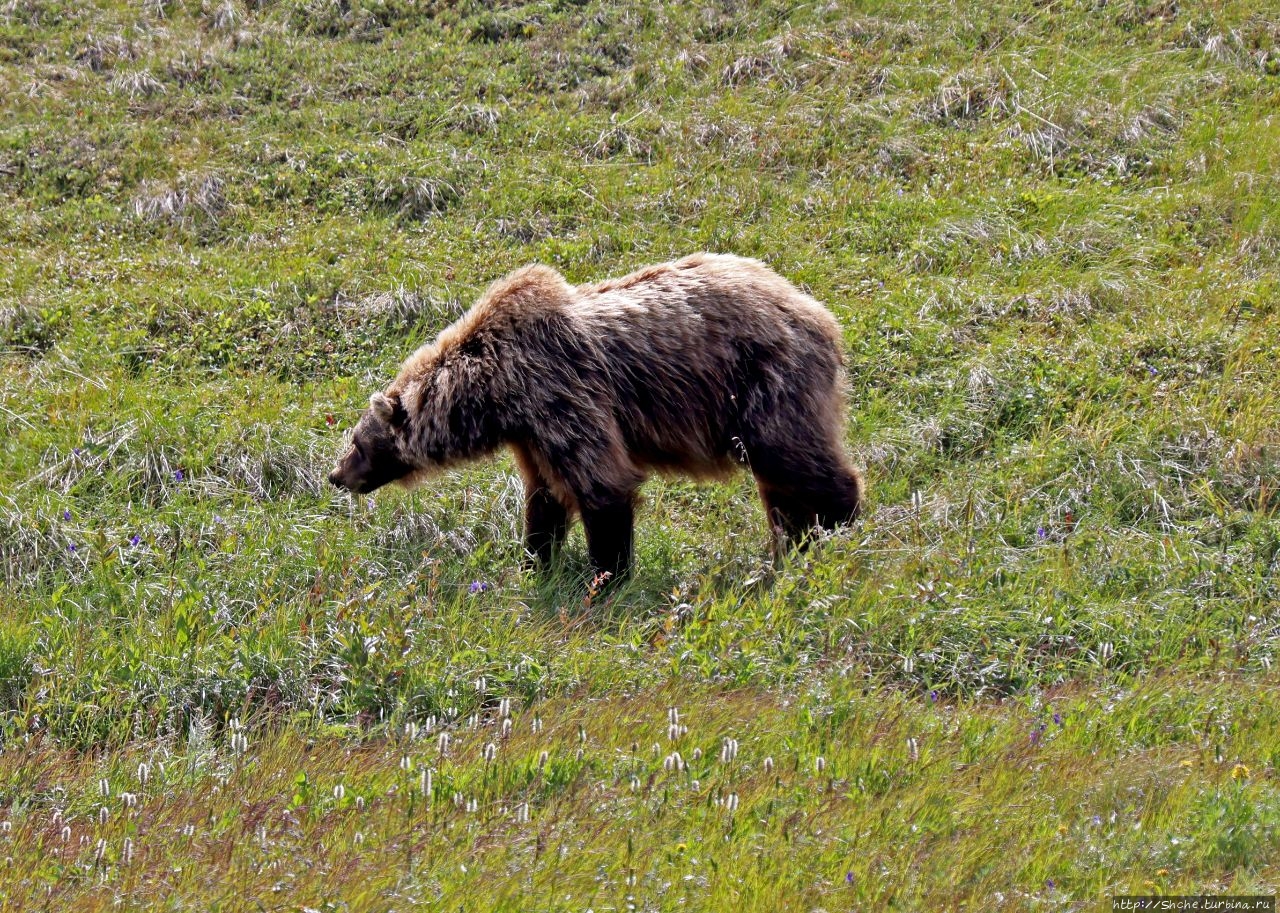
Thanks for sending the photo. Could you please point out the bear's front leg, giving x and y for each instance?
(546, 523)
(610, 529)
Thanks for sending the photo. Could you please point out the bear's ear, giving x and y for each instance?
(387, 408)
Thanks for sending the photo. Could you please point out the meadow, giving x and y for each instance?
(1038, 673)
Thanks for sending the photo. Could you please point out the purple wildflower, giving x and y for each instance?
(177, 474)
(848, 877)
(66, 515)
(933, 696)
(1057, 718)
(71, 546)
(1041, 533)
(1151, 369)
(135, 540)
(477, 586)
(218, 519)
(76, 450)
(1050, 884)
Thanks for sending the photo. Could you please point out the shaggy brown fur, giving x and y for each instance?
(695, 366)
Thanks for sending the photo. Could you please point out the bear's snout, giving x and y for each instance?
(336, 480)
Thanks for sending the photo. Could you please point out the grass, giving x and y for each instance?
(1038, 673)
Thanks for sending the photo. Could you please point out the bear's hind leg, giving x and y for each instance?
(799, 500)
(610, 531)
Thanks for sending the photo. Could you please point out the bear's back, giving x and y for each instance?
(687, 346)
(703, 296)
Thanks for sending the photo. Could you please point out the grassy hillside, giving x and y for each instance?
(1038, 673)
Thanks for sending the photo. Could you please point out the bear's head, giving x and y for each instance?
(376, 456)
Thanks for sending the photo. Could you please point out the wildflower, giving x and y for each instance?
(66, 515)
(820, 764)
(506, 728)
(424, 782)
(1151, 369)
(1057, 719)
(542, 759)
(477, 586)
(848, 877)
(673, 716)
(217, 518)
(729, 751)
(1050, 884)
(71, 547)
(406, 764)
(66, 833)
(339, 792)
(768, 765)
(731, 802)
(135, 540)
(933, 697)
(103, 814)
(1041, 533)
(444, 743)
(104, 787)
(127, 852)
(177, 475)
(504, 707)
(1160, 873)
(129, 799)
(697, 754)
(1239, 772)
(490, 752)
(144, 773)
(1187, 762)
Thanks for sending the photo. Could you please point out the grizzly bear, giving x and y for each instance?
(695, 366)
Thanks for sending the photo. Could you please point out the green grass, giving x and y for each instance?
(1052, 234)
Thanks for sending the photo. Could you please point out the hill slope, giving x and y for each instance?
(1038, 672)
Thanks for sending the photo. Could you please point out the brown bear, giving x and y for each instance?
(695, 366)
